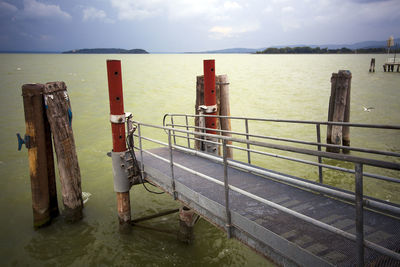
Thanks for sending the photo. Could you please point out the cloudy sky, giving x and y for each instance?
(192, 25)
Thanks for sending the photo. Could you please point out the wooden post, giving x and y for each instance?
(346, 129)
(118, 135)
(199, 102)
(51, 174)
(372, 65)
(223, 107)
(340, 95)
(224, 110)
(59, 114)
(41, 167)
(187, 220)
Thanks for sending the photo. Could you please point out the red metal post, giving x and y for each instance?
(116, 103)
(118, 133)
(210, 98)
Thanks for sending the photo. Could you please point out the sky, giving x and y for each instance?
(192, 25)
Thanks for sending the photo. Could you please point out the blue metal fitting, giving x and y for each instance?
(26, 141)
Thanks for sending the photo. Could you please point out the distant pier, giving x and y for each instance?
(390, 65)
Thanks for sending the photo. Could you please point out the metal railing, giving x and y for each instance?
(393, 60)
(190, 133)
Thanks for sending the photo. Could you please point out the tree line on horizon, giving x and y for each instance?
(318, 50)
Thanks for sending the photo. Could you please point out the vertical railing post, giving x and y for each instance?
(187, 129)
(173, 126)
(141, 151)
(226, 185)
(117, 118)
(171, 163)
(359, 214)
(321, 181)
(246, 124)
(210, 101)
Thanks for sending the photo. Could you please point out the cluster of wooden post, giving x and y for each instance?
(390, 67)
(48, 113)
(372, 65)
(339, 111)
(223, 107)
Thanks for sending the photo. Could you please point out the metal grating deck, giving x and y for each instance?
(280, 236)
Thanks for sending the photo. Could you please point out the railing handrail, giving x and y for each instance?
(358, 149)
(393, 60)
(350, 124)
(359, 237)
(354, 159)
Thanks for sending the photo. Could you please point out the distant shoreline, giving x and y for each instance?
(106, 51)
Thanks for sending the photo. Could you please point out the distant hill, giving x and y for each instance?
(231, 51)
(106, 51)
(359, 45)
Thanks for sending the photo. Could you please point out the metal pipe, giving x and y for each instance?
(320, 165)
(366, 174)
(362, 125)
(172, 122)
(171, 159)
(154, 141)
(141, 151)
(319, 157)
(354, 159)
(359, 215)
(226, 187)
(163, 213)
(358, 149)
(187, 128)
(246, 123)
(194, 138)
(341, 157)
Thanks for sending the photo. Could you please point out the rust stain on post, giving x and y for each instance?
(40, 168)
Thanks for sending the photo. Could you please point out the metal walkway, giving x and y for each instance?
(288, 219)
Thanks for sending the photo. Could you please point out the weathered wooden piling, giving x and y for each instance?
(117, 119)
(59, 114)
(187, 220)
(339, 110)
(224, 110)
(199, 101)
(40, 153)
(222, 103)
(372, 65)
(51, 174)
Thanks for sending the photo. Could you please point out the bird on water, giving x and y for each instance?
(368, 109)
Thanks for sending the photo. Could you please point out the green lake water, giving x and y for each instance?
(269, 86)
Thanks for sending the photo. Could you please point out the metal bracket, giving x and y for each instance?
(208, 109)
(123, 171)
(26, 141)
(117, 118)
(129, 123)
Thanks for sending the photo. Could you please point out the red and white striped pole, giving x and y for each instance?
(210, 101)
(117, 118)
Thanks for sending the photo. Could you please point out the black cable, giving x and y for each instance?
(132, 152)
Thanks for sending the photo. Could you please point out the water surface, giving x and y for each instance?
(271, 86)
